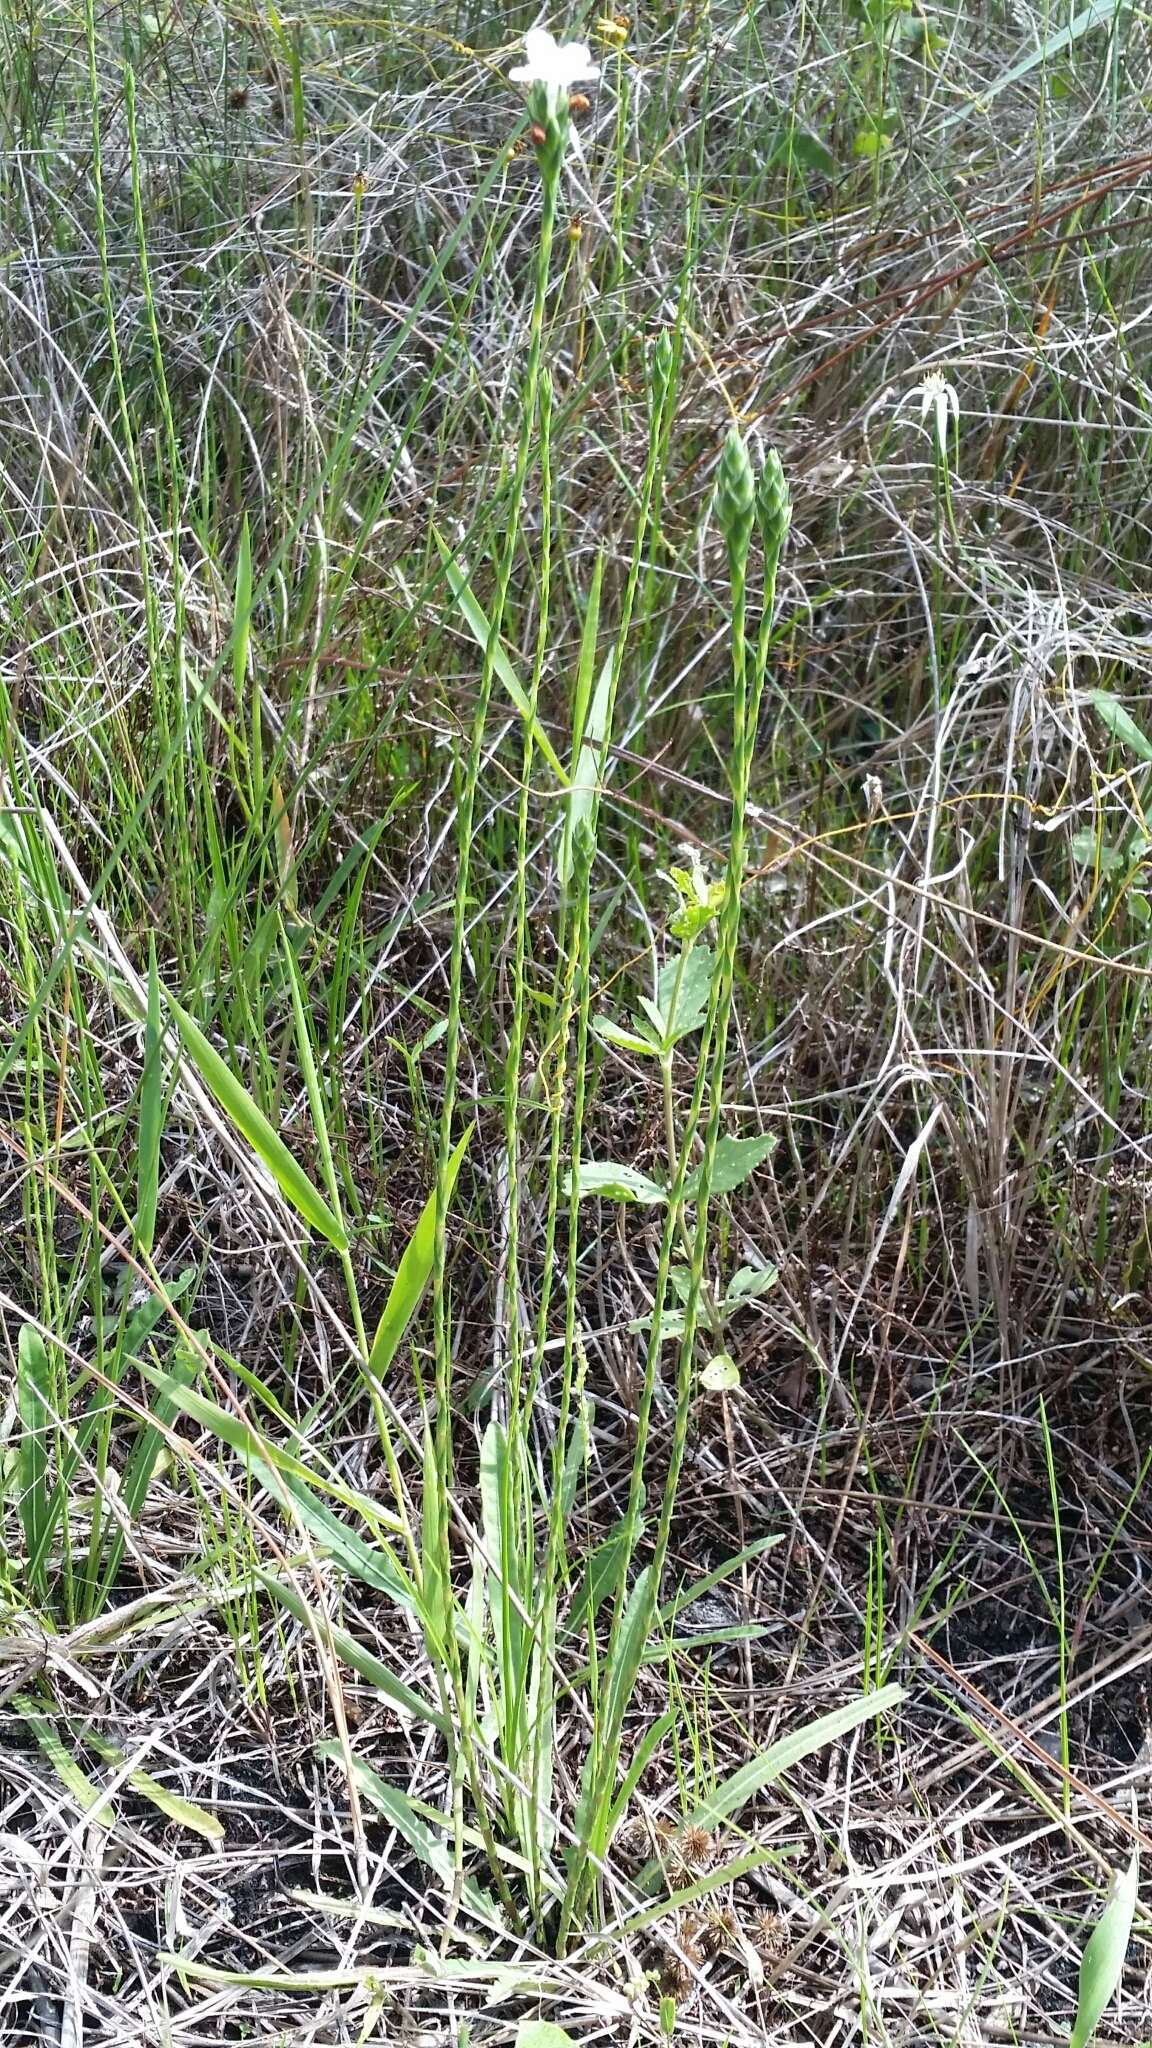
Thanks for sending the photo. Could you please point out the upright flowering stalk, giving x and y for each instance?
(550, 71)
(743, 503)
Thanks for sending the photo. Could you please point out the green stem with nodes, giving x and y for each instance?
(464, 1761)
(739, 505)
(739, 502)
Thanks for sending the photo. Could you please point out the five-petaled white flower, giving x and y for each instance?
(555, 66)
(940, 398)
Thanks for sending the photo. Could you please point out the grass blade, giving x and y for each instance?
(411, 1275)
(735, 1792)
(34, 1403)
(476, 621)
(251, 1121)
(151, 1112)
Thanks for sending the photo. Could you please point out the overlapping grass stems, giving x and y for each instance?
(112, 833)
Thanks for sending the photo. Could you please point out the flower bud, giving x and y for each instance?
(660, 370)
(736, 501)
(773, 507)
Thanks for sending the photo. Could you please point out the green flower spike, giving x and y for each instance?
(736, 502)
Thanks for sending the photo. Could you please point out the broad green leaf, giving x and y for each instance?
(673, 1324)
(749, 1282)
(412, 1275)
(250, 1119)
(476, 621)
(734, 1793)
(685, 1007)
(411, 1826)
(542, 2034)
(354, 1654)
(1119, 722)
(183, 1811)
(799, 146)
(615, 1183)
(736, 1159)
(1102, 1964)
(34, 1402)
(628, 1041)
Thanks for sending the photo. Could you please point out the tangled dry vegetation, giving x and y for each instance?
(266, 292)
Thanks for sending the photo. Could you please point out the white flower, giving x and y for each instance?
(939, 398)
(555, 66)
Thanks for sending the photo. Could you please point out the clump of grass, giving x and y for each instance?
(572, 844)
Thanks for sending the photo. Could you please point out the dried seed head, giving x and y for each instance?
(769, 1936)
(675, 1979)
(696, 1849)
(633, 1842)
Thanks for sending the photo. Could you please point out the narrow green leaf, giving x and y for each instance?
(87, 1795)
(698, 1588)
(588, 765)
(183, 1811)
(412, 1275)
(151, 1111)
(412, 1828)
(1095, 15)
(735, 1792)
(251, 1121)
(1120, 723)
(294, 1486)
(34, 1403)
(476, 621)
(1102, 1964)
(142, 1459)
(645, 1750)
(242, 610)
(435, 1589)
(355, 1655)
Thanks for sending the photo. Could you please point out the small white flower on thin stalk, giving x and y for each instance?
(938, 397)
(553, 67)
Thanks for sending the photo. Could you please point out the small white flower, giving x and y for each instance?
(939, 398)
(555, 66)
